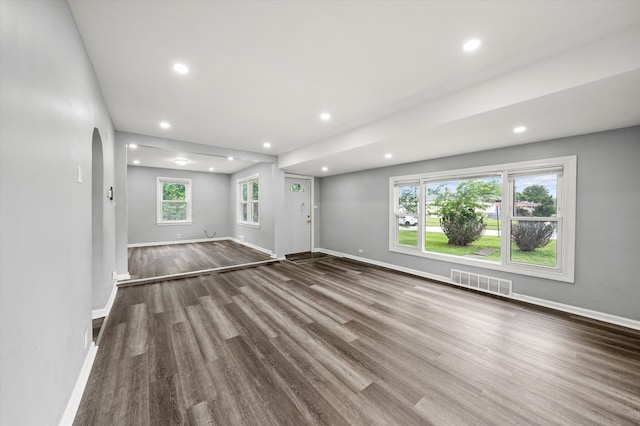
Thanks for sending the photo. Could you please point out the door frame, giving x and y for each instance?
(312, 208)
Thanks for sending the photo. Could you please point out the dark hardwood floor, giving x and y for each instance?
(154, 261)
(335, 342)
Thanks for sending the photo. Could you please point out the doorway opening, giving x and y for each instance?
(298, 215)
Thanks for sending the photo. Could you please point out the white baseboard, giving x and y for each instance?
(387, 265)
(73, 404)
(103, 312)
(167, 243)
(588, 313)
(255, 247)
(122, 277)
(600, 316)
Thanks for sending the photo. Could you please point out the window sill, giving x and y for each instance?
(248, 224)
(186, 222)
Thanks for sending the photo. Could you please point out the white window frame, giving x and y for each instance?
(566, 212)
(249, 202)
(160, 181)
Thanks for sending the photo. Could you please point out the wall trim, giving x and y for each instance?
(255, 247)
(103, 312)
(588, 313)
(73, 403)
(122, 277)
(597, 315)
(166, 243)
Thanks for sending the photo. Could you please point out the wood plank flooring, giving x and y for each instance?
(154, 261)
(335, 342)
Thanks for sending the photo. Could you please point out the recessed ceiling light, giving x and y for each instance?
(230, 158)
(181, 68)
(133, 146)
(325, 168)
(267, 144)
(164, 125)
(325, 116)
(136, 161)
(210, 169)
(519, 129)
(181, 161)
(388, 155)
(471, 45)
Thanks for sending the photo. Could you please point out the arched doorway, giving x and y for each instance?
(97, 220)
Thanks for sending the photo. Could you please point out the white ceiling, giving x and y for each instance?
(148, 156)
(391, 73)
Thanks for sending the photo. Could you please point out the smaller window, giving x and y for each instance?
(173, 201)
(296, 187)
(249, 201)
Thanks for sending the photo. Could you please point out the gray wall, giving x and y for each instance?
(50, 103)
(210, 192)
(354, 214)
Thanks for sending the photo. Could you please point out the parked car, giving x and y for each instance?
(407, 220)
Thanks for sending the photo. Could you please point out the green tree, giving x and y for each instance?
(408, 199)
(528, 235)
(462, 211)
(538, 194)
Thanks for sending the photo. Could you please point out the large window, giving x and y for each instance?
(174, 201)
(517, 217)
(249, 201)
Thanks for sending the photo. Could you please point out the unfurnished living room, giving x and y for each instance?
(319, 212)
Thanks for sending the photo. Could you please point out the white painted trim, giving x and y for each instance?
(588, 313)
(160, 181)
(166, 243)
(122, 277)
(389, 266)
(255, 247)
(194, 273)
(73, 404)
(100, 313)
(312, 202)
(600, 316)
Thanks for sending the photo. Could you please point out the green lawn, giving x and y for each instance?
(437, 242)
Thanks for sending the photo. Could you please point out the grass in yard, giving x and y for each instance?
(438, 242)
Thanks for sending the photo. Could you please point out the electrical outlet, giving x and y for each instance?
(114, 275)
(360, 251)
(179, 236)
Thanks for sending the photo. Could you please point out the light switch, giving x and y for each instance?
(79, 173)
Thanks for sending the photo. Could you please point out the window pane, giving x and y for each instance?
(463, 217)
(174, 211)
(174, 191)
(296, 187)
(534, 243)
(255, 213)
(407, 224)
(243, 189)
(254, 185)
(535, 195)
(243, 212)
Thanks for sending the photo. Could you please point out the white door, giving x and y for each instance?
(297, 215)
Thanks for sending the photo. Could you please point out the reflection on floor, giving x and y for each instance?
(163, 260)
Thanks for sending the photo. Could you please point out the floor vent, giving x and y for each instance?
(481, 282)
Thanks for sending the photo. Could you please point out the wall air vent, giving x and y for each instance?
(481, 282)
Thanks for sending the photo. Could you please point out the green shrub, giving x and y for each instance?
(529, 236)
(461, 225)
